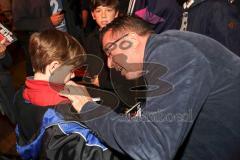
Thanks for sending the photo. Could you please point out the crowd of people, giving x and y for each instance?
(165, 74)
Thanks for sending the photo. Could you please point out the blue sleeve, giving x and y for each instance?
(166, 119)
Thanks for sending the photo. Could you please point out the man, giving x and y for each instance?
(192, 107)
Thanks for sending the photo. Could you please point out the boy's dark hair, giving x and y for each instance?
(128, 23)
(106, 3)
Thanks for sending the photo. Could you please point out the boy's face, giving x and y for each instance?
(104, 15)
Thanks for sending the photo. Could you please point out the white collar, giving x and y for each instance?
(187, 4)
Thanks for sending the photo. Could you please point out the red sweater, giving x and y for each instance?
(43, 93)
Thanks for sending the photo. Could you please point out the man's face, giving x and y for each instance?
(104, 15)
(123, 54)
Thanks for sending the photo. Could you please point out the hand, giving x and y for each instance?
(3, 46)
(77, 94)
(95, 81)
(57, 18)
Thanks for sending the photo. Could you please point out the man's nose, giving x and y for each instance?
(72, 75)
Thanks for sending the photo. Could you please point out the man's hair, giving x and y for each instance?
(53, 45)
(106, 3)
(128, 23)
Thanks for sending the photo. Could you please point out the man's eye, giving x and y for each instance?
(125, 44)
(108, 46)
(106, 51)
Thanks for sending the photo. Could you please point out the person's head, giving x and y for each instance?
(54, 52)
(124, 41)
(104, 11)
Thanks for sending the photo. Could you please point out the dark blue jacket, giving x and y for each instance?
(192, 114)
(217, 19)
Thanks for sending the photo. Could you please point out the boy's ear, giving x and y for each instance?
(53, 66)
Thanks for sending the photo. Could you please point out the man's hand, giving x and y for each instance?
(95, 81)
(77, 94)
(57, 18)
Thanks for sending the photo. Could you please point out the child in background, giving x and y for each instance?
(104, 12)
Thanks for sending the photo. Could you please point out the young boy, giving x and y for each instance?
(104, 12)
(43, 131)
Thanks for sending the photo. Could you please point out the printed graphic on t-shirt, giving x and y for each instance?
(56, 6)
(6, 34)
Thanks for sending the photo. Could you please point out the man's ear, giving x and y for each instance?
(53, 66)
(134, 39)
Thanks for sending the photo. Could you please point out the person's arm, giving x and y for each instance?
(162, 128)
(224, 26)
(24, 21)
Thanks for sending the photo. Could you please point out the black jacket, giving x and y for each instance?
(97, 65)
(6, 87)
(5, 62)
(55, 143)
